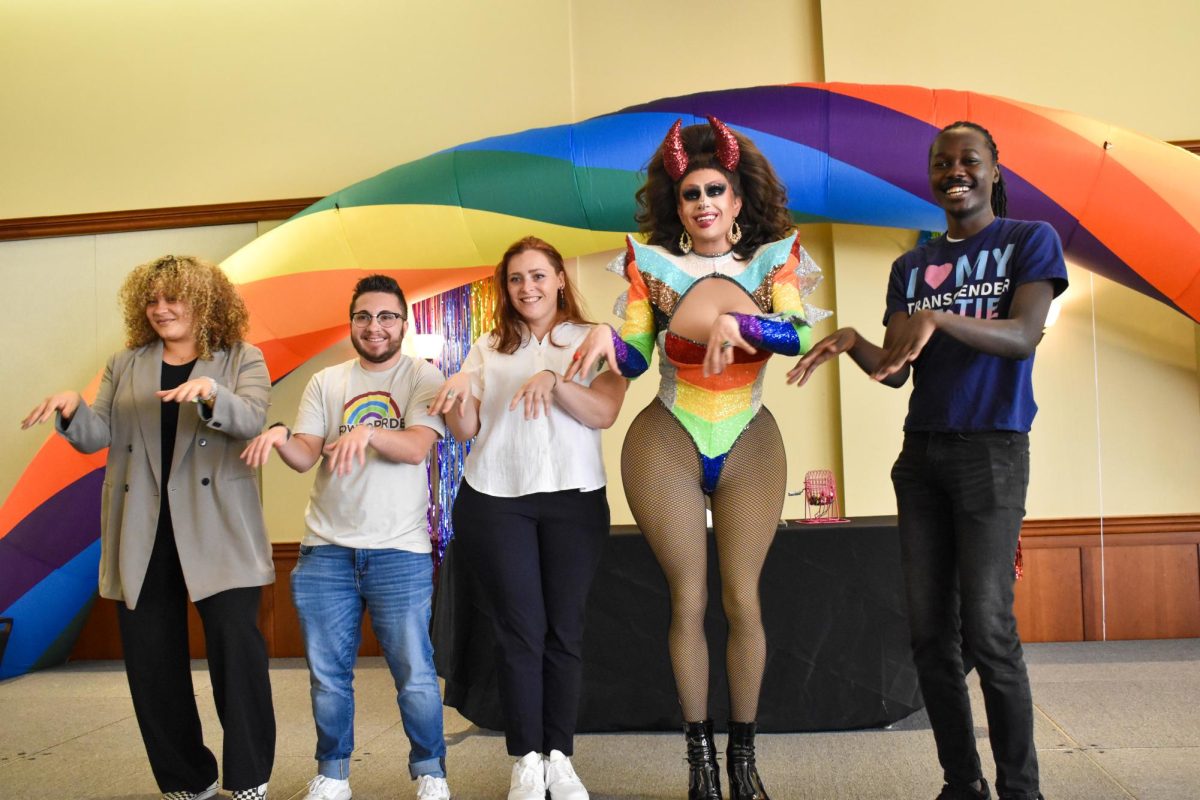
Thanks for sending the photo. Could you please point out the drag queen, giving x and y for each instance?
(718, 288)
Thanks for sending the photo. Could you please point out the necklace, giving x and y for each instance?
(714, 255)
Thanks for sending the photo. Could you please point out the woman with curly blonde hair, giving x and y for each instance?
(181, 516)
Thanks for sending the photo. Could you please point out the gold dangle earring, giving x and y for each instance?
(735, 233)
(685, 242)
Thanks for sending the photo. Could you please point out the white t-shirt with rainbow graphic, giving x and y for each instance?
(384, 504)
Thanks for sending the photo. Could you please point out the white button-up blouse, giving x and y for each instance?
(513, 456)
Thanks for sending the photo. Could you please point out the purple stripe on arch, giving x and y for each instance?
(894, 147)
(876, 139)
(52, 534)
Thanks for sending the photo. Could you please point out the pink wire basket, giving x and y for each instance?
(821, 503)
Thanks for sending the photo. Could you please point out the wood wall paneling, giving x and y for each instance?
(1048, 600)
(1152, 592)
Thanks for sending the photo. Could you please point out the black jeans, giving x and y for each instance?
(961, 499)
(154, 637)
(535, 557)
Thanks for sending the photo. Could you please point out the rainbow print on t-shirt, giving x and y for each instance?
(372, 408)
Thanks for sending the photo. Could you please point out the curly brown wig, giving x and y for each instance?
(219, 316)
(509, 330)
(764, 217)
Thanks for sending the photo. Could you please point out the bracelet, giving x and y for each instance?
(286, 429)
(555, 374)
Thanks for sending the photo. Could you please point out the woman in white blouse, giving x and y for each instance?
(531, 515)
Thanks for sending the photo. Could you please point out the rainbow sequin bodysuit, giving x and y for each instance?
(714, 410)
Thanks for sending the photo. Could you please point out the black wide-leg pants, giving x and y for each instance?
(154, 636)
(535, 557)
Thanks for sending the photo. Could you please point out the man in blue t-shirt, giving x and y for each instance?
(965, 313)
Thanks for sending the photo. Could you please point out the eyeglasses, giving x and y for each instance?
(387, 319)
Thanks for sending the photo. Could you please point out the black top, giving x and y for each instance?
(172, 377)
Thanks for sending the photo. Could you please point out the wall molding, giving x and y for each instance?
(148, 219)
(1154, 529)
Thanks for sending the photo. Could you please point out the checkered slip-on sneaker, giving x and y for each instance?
(203, 794)
(257, 793)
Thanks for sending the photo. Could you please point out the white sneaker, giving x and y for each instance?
(431, 788)
(528, 778)
(322, 788)
(561, 779)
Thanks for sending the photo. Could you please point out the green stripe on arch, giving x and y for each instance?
(518, 184)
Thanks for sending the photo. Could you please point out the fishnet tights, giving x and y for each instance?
(661, 472)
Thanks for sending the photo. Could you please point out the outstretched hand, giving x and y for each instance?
(831, 346)
(452, 395)
(259, 449)
(596, 349)
(536, 393)
(64, 403)
(908, 340)
(196, 389)
(722, 338)
(342, 455)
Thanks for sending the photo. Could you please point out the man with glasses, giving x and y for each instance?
(366, 543)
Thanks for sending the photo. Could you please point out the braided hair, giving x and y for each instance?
(999, 194)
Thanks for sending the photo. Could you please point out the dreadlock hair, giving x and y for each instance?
(765, 217)
(999, 193)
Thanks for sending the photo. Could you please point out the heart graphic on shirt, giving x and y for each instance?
(936, 273)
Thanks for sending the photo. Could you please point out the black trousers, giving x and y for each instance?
(155, 640)
(535, 557)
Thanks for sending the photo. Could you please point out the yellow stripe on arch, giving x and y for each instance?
(400, 237)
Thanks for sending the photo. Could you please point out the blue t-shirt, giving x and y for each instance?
(956, 387)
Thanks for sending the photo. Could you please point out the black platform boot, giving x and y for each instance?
(704, 777)
(744, 783)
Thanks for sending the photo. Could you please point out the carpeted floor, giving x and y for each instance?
(1114, 720)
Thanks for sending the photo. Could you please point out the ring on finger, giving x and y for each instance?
(726, 344)
(450, 395)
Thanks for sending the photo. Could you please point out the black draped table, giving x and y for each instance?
(837, 639)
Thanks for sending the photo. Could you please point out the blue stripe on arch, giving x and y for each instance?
(40, 615)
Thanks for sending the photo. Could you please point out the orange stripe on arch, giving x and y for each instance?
(290, 306)
(1120, 194)
(53, 468)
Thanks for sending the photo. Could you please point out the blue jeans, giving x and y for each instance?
(331, 586)
(961, 499)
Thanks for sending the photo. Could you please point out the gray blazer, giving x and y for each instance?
(215, 508)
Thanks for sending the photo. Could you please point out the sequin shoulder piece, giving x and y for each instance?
(668, 276)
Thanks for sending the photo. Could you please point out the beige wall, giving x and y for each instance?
(138, 104)
(135, 105)
(1129, 64)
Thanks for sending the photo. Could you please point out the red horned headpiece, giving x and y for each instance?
(675, 157)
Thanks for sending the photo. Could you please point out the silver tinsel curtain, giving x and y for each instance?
(461, 315)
